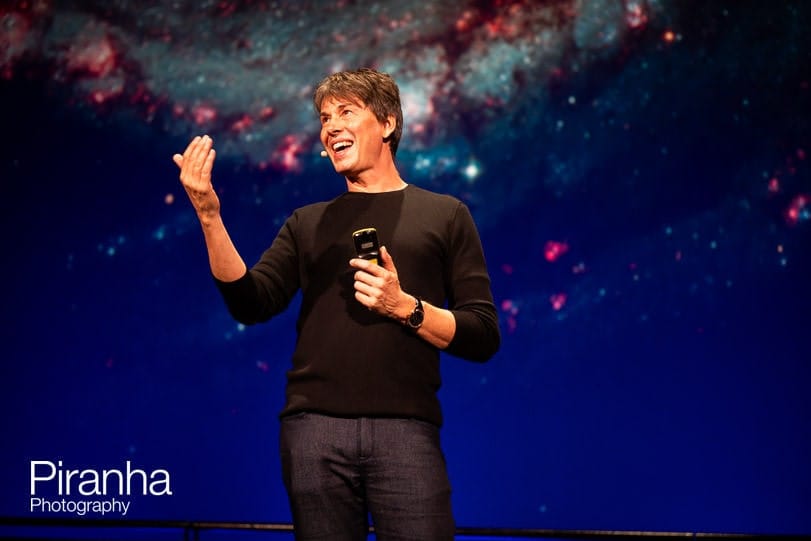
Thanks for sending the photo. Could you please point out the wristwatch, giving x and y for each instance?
(415, 319)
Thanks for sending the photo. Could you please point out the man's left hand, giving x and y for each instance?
(377, 287)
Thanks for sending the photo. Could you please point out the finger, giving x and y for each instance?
(385, 258)
(362, 264)
(194, 148)
(359, 263)
(178, 159)
(368, 267)
(208, 165)
(365, 300)
(370, 279)
(364, 289)
(200, 153)
(188, 156)
(363, 278)
(191, 147)
(371, 286)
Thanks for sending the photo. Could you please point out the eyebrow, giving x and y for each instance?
(341, 106)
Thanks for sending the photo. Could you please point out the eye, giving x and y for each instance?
(347, 112)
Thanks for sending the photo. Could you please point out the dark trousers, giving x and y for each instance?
(339, 471)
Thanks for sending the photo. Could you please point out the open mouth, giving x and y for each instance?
(341, 147)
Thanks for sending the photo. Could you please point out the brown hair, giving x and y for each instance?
(374, 89)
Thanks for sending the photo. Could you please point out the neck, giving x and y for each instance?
(376, 180)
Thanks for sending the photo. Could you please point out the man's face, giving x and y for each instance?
(353, 137)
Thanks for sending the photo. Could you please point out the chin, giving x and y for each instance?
(342, 168)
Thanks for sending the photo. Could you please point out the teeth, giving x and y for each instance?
(337, 147)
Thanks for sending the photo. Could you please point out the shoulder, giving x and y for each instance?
(309, 211)
(426, 197)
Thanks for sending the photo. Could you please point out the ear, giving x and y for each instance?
(388, 126)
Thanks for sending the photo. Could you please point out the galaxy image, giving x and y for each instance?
(639, 172)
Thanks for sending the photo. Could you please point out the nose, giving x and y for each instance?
(333, 125)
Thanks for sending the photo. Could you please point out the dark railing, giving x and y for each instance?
(53, 528)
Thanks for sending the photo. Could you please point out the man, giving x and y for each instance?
(360, 428)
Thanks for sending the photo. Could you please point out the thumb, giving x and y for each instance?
(178, 159)
(386, 260)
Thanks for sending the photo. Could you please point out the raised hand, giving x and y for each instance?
(195, 166)
(195, 173)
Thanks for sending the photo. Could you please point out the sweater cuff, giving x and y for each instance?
(474, 338)
(238, 287)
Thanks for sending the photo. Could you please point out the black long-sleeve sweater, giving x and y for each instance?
(349, 361)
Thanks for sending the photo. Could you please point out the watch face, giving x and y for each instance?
(416, 319)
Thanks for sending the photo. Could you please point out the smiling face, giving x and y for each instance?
(355, 139)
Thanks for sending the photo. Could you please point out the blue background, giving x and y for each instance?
(668, 392)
